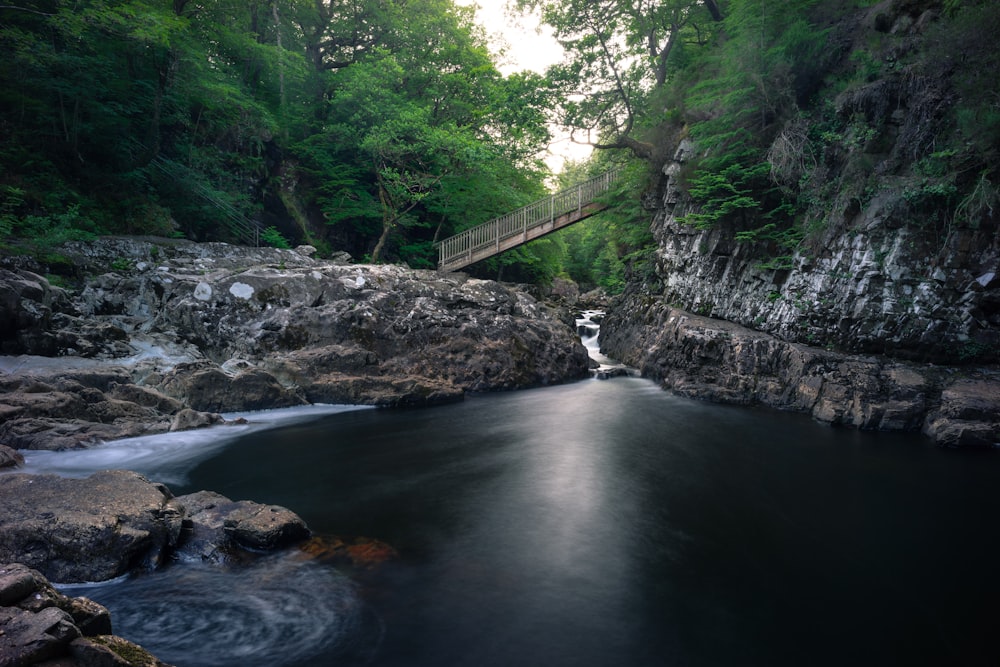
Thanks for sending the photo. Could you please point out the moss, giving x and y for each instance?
(132, 653)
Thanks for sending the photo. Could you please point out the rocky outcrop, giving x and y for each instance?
(895, 248)
(162, 326)
(40, 626)
(874, 283)
(873, 300)
(717, 360)
(56, 406)
(114, 522)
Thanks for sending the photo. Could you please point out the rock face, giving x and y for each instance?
(872, 284)
(887, 265)
(93, 529)
(218, 328)
(40, 626)
(712, 359)
(881, 261)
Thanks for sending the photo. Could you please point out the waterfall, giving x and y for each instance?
(588, 327)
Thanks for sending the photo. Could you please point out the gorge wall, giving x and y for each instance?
(886, 268)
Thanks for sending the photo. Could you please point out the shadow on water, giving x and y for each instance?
(600, 523)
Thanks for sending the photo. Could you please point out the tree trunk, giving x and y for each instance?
(713, 8)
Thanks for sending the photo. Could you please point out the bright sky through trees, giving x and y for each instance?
(521, 43)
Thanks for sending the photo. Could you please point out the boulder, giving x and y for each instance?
(220, 528)
(92, 529)
(10, 458)
(40, 626)
(210, 389)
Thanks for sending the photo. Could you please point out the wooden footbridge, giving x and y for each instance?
(525, 224)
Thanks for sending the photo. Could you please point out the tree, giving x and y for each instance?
(618, 54)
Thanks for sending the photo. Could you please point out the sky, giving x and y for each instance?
(525, 44)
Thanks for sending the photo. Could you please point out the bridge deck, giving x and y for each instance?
(525, 224)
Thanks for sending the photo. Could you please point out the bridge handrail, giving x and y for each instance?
(527, 217)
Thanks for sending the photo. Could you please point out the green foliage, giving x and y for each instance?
(141, 116)
(607, 249)
(270, 236)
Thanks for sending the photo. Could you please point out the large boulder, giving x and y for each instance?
(92, 529)
(115, 521)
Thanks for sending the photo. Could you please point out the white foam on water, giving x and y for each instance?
(168, 457)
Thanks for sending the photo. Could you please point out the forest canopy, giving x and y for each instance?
(379, 126)
(373, 127)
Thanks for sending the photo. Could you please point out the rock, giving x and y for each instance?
(209, 389)
(188, 419)
(92, 529)
(968, 414)
(40, 626)
(219, 527)
(212, 328)
(10, 458)
(721, 361)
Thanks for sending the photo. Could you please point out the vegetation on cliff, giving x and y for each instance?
(778, 135)
(377, 128)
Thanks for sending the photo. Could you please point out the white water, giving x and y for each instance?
(589, 332)
(168, 457)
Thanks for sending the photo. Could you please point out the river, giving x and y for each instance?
(604, 522)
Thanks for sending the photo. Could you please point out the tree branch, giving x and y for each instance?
(25, 9)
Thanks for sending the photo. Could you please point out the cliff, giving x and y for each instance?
(894, 254)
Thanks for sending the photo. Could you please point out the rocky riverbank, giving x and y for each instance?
(104, 526)
(40, 626)
(721, 361)
(157, 335)
(163, 335)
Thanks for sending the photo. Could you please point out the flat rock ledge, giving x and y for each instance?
(40, 626)
(117, 521)
(720, 361)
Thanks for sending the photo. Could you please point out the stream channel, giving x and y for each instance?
(598, 523)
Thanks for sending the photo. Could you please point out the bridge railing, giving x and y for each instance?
(519, 222)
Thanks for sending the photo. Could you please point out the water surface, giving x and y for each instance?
(597, 523)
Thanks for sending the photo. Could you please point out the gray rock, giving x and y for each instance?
(40, 626)
(219, 528)
(10, 458)
(89, 529)
(721, 361)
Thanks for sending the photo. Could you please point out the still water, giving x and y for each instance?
(597, 523)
